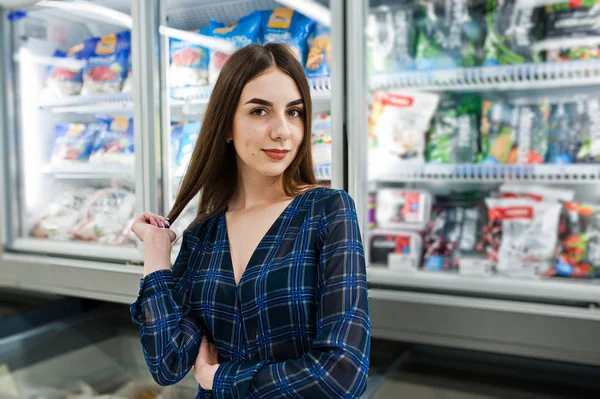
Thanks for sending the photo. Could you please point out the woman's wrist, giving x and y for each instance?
(157, 252)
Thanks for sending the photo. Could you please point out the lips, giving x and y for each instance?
(276, 154)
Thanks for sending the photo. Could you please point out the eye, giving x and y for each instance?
(258, 112)
(295, 112)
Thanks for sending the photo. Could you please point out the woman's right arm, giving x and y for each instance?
(169, 330)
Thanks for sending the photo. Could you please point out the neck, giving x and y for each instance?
(256, 190)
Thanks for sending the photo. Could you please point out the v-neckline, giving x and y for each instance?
(263, 238)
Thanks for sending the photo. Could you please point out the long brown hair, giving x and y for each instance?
(212, 171)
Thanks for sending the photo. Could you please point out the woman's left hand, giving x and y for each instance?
(206, 364)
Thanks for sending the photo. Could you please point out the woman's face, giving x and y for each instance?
(268, 127)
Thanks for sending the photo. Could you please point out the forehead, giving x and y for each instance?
(274, 85)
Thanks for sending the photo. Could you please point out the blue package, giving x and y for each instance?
(73, 142)
(107, 63)
(242, 33)
(115, 142)
(188, 62)
(189, 135)
(61, 80)
(284, 25)
(318, 60)
(175, 141)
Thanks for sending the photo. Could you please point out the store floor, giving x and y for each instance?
(433, 373)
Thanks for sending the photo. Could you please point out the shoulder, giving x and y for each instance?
(332, 205)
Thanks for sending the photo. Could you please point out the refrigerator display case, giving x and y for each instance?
(472, 151)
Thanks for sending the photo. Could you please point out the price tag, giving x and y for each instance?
(402, 262)
(475, 267)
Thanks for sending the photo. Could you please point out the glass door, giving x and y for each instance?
(197, 37)
(473, 145)
(72, 142)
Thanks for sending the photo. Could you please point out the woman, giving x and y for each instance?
(268, 296)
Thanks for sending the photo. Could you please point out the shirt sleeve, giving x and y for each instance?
(337, 364)
(169, 329)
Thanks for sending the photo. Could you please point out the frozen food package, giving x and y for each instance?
(572, 31)
(536, 192)
(391, 33)
(449, 35)
(73, 142)
(128, 83)
(395, 249)
(402, 124)
(565, 129)
(107, 60)
(189, 136)
(402, 209)
(454, 131)
(588, 121)
(127, 237)
(188, 66)
(106, 215)
(242, 33)
(513, 29)
(115, 141)
(63, 81)
(529, 232)
(62, 214)
(514, 133)
(318, 60)
(286, 26)
(175, 140)
(321, 139)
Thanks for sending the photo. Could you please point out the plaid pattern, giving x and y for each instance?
(297, 325)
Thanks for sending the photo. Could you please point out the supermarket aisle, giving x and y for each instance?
(435, 373)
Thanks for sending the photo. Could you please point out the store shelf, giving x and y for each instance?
(85, 170)
(323, 172)
(77, 249)
(117, 102)
(401, 172)
(553, 289)
(508, 77)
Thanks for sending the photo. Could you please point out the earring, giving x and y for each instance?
(229, 139)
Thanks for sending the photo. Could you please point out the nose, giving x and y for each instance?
(280, 129)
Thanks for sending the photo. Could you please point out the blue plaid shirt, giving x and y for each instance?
(296, 326)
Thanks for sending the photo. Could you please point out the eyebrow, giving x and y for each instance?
(270, 104)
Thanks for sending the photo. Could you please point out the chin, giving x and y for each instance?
(273, 170)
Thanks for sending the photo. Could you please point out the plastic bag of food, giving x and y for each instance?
(73, 142)
(62, 214)
(242, 33)
(403, 209)
(128, 83)
(513, 29)
(107, 60)
(449, 35)
(395, 249)
(115, 141)
(284, 25)
(402, 125)
(321, 139)
(572, 31)
(106, 215)
(188, 62)
(318, 61)
(536, 192)
(454, 131)
(64, 81)
(189, 136)
(529, 232)
(589, 134)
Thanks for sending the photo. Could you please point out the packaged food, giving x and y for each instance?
(536, 192)
(589, 133)
(242, 33)
(73, 142)
(115, 141)
(454, 131)
(529, 232)
(62, 214)
(391, 38)
(513, 29)
(318, 60)
(321, 139)
(107, 60)
(127, 237)
(64, 81)
(401, 125)
(403, 209)
(106, 215)
(286, 26)
(514, 133)
(572, 31)
(395, 249)
(565, 127)
(188, 62)
(175, 140)
(128, 83)
(448, 36)
(189, 136)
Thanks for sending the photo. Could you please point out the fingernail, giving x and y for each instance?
(167, 222)
(163, 225)
(156, 224)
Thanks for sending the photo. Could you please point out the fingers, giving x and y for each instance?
(154, 220)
